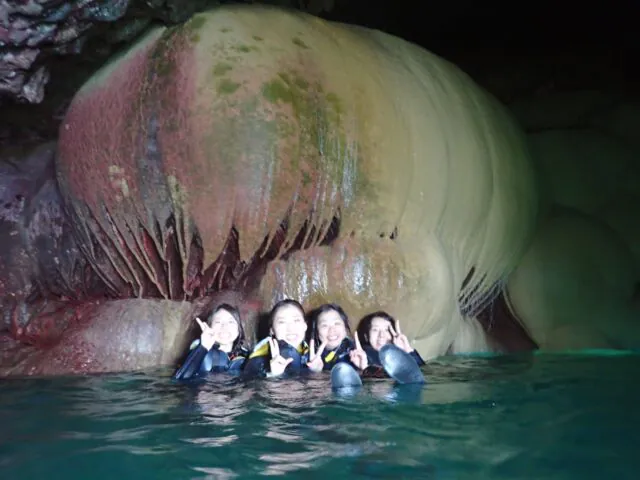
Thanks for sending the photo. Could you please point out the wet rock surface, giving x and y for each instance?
(34, 32)
(48, 48)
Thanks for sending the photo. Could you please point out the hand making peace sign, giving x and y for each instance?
(399, 339)
(358, 356)
(315, 362)
(206, 338)
(278, 363)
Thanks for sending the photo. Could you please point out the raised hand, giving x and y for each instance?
(278, 363)
(206, 338)
(315, 362)
(399, 339)
(358, 356)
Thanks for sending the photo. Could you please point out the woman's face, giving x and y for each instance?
(331, 329)
(289, 325)
(379, 333)
(225, 328)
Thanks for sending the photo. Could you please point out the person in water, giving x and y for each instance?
(330, 329)
(385, 350)
(220, 348)
(285, 349)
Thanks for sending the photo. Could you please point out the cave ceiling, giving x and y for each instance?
(48, 48)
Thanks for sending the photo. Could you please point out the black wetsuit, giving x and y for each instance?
(201, 362)
(375, 368)
(259, 363)
(338, 354)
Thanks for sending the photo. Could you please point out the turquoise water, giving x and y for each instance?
(530, 417)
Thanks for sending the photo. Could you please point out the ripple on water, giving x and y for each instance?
(521, 417)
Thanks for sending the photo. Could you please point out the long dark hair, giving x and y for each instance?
(314, 315)
(364, 326)
(283, 303)
(239, 343)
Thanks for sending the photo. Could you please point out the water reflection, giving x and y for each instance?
(281, 463)
(391, 392)
(533, 417)
(216, 473)
(119, 396)
(222, 407)
(296, 393)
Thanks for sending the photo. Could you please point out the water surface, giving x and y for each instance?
(522, 417)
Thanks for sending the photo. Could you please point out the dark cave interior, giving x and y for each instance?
(522, 55)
